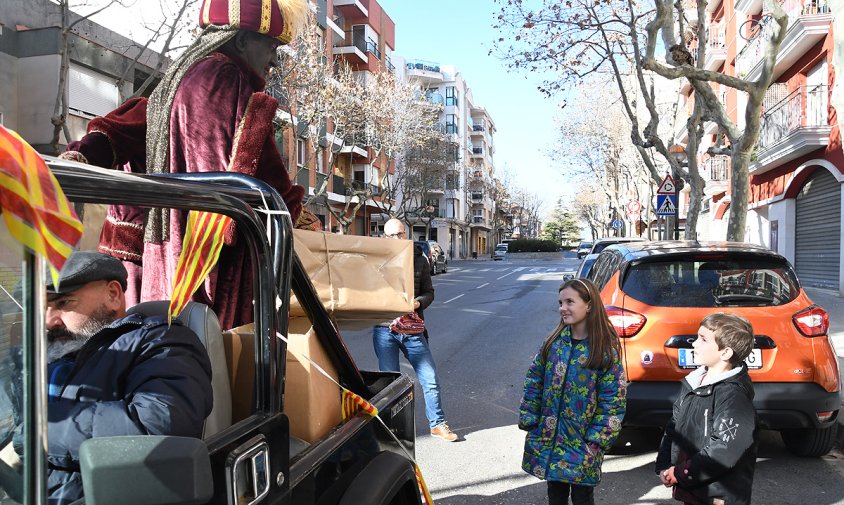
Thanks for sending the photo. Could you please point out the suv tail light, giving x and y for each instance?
(626, 322)
(812, 322)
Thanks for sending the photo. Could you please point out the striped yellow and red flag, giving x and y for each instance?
(352, 403)
(34, 207)
(200, 252)
(423, 488)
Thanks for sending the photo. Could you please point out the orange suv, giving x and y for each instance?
(656, 294)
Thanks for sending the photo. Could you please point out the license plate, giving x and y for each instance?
(687, 359)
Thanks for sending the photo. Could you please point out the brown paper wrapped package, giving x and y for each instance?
(362, 279)
(311, 401)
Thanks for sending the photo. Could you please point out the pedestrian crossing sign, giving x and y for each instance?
(665, 205)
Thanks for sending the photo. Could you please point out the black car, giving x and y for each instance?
(435, 254)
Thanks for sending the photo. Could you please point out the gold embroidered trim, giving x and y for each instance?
(266, 16)
(234, 13)
(206, 12)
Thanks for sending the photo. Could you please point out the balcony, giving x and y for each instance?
(389, 65)
(477, 196)
(716, 47)
(808, 23)
(798, 124)
(717, 174)
(303, 177)
(479, 222)
(477, 152)
(338, 184)
(351, 8)
(361, 45)
(425, 71)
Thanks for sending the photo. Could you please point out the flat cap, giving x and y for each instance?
(83, 267)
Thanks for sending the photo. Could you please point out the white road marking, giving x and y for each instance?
(482, 285)
(455, 298)
(505, 275)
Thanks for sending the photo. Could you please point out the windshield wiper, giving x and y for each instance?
(742, 298)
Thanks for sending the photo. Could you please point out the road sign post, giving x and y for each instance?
(669, 188)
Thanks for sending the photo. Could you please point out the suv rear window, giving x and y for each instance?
(734, 281)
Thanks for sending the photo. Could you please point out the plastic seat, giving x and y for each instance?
(203, 321)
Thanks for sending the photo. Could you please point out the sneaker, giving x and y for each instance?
(444, 432)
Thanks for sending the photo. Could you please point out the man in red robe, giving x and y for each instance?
(210, 114)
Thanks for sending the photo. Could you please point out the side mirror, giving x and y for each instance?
(147, 470)
(567, 277)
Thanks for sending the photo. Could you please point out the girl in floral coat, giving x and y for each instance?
(575, 397)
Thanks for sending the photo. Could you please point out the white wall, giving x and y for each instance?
(38, 80)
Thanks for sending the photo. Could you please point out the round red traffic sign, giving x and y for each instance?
(633, 206)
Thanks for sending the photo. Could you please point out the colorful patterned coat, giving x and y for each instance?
(576, 418)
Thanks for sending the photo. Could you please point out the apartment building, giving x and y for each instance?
(796, 172)
(465, 206)
(30, 59)
(362, 34)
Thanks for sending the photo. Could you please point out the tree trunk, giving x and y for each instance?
(740, 185)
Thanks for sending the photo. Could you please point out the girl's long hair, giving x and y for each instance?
(604, 345)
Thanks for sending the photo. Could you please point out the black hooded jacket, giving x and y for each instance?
(711, 439)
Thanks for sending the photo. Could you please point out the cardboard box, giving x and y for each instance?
(362, 279)
(240, 359)
(311, 401)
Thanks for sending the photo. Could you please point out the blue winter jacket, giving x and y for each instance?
(572, 413)
(134, 377)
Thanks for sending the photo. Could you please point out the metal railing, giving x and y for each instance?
(804, 107)
(427, 66)
(477, 127)
(717, 36)
(477, 195)
(338, 184)
(389, 64)
(754, 50)
(303, 177)
(477, 150)
(718, 168)
(478, 220)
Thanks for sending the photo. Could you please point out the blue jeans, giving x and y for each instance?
(415, 348)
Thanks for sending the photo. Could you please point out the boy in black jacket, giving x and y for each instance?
(708, 452)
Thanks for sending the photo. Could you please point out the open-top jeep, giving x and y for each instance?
(275, 434)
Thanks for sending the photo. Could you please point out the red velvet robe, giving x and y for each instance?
(220, 120)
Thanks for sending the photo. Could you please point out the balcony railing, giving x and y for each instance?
(426, 66)
(718, 168)
(717, 36)
(754, 50)
(804, 107)
(478, 127)
(303, 177)
(477, 196)
(478, 220)
(365, 44)
(338, 184)
(389, 65)
(477, 150)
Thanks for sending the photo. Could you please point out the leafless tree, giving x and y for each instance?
(580, 38)
(324, 107)
(172, 25)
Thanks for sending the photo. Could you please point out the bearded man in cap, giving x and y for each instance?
(208, 114)
(110, 373)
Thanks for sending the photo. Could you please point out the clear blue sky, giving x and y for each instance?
(460, 33)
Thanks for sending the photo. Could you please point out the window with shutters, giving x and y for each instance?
(91, 93)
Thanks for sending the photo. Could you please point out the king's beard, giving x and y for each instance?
(63, 341)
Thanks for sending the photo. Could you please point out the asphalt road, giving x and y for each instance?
(486, 323)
